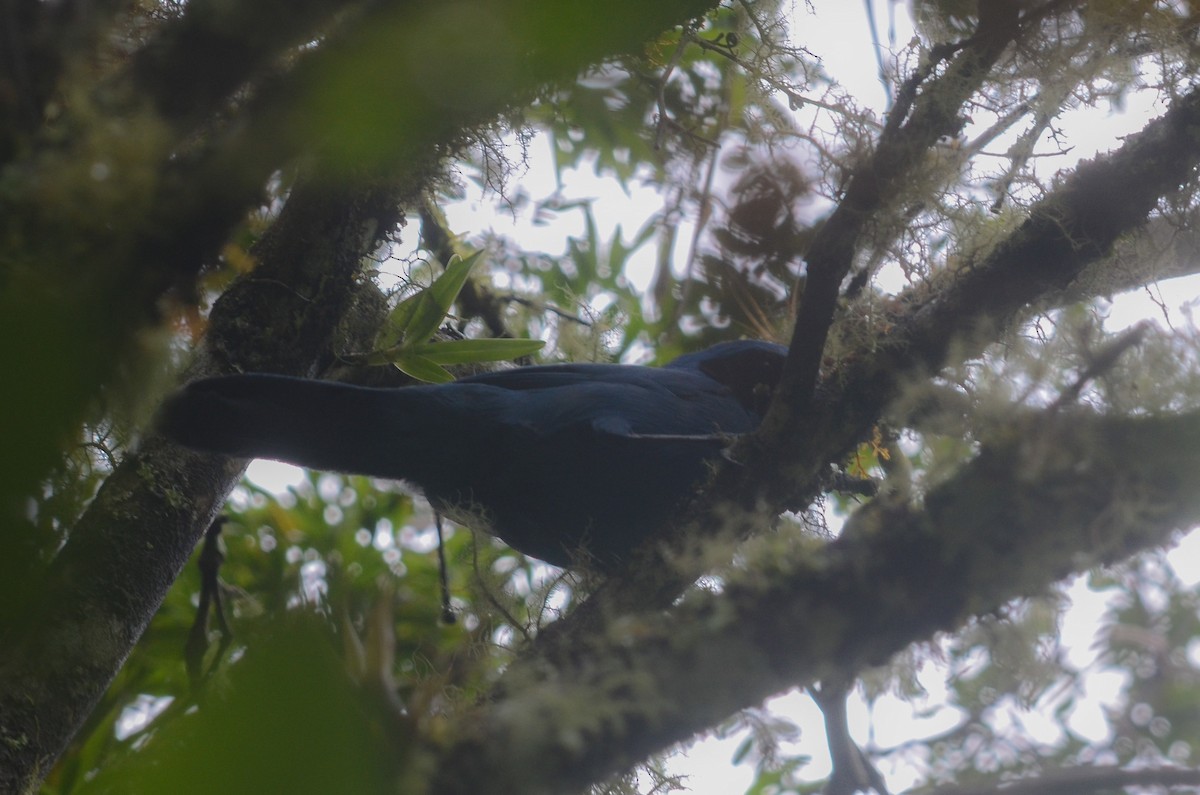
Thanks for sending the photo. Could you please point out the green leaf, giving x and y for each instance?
(743, 750)
(423, 369)
(471, 351)
(418, 316)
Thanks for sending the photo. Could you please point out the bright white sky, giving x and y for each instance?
(839, 34)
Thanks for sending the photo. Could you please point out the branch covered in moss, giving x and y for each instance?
(1072, 228)
(927, 110)
(1100, 779)
(1058, 494)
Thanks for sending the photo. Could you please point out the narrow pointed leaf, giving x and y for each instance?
(423, 369)
(471, 351)
(418, 316)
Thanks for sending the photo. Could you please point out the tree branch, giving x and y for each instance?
(1065, 233)
(1070, 229)
(1167, 247)
(1061, 493)
(193, 65)
(935, 113)
(1085, 780)
(36, 41)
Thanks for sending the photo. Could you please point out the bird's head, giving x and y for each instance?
(749, 368)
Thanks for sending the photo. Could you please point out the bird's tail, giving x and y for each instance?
(317, 424)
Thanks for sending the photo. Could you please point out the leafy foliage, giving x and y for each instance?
(403, 341)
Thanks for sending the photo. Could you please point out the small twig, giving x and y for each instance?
(444, 580)
(544, 307)
(705, 213)
(662, 86)
(795, 99)
(1101, 362)
(764, 35)
(196, 645)
(495, 603)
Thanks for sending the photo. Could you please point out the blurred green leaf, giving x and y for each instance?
(291, 722)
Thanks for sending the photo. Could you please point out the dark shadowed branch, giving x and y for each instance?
(1056, 495)
(1072, 228)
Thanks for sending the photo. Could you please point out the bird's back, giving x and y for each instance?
(589, 456)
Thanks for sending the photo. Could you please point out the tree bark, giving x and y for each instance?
(1058, 493)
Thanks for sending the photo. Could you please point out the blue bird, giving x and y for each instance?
(569, 463)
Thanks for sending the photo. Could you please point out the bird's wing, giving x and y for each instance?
(615, 401)
(667, 406)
